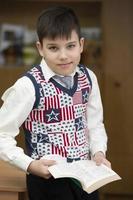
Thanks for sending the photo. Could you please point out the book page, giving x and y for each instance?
(87, 172)
(66, 170)
(95, 176)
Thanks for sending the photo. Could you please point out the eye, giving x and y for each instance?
(53, 48)
(71, 46)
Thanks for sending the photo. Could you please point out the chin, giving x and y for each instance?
(68, 72)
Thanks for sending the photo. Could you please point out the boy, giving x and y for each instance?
(56, 119)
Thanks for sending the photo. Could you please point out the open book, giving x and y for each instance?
(90, 176)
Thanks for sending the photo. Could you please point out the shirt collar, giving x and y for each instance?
(48, 73)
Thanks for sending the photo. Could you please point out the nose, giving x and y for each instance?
(63, 54)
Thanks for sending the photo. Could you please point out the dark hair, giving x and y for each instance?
(57, 21)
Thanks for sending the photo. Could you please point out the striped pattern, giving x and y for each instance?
(82, 81)
(52, 102)
(67, 113)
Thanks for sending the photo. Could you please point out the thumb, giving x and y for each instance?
(48, 162)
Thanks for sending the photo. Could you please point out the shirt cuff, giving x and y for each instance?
(22, 162)
(97, 149)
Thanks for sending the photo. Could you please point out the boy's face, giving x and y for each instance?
(62, 55)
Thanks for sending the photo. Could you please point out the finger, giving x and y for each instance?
(107, 163)
(98, 159)
(99, 162)
(47, 176)
(46, 173)
(48, 162)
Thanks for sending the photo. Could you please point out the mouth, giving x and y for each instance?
(65, 65)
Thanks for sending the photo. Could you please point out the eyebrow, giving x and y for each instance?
(72, 42)
(50, 44)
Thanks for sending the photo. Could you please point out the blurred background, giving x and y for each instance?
(107, 26)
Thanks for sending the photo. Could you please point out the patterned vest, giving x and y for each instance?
(57, 123)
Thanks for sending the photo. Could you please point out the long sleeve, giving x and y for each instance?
(97, 133)
(18, 102)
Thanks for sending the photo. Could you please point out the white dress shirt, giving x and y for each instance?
(18, 102)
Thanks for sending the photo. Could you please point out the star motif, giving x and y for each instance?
(79, 125)
(43, 138)
(85, 96)
(52, 116)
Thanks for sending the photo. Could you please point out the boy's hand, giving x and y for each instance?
(99, 158)
(40, 168)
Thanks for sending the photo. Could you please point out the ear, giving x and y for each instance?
(40, 48)
(81, 44)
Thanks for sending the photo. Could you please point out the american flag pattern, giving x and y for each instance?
(58, 125)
